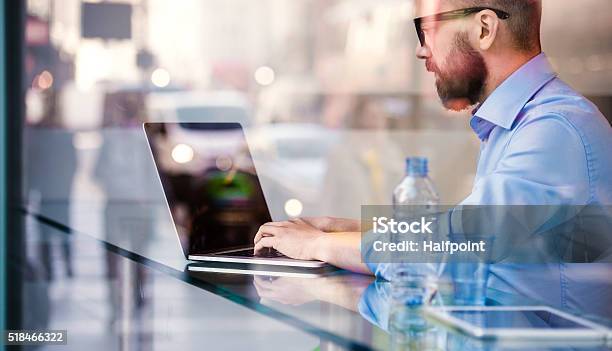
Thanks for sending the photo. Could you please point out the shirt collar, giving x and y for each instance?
(506, 102)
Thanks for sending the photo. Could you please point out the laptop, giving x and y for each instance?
(213, 192)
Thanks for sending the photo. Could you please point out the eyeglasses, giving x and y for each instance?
(450, 15)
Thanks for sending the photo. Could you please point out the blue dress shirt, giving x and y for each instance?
(542, 143)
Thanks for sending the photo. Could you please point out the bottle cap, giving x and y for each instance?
(417, 166)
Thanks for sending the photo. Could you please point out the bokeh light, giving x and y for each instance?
(264, 75)
(44, 80)
(182, 153)
(293, 207)
(160, 78)
(224, 163)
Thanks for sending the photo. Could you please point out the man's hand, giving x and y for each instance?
(295, 238)
(315, 239)
(333, 224)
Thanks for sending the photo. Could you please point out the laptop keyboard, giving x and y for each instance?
(269, 253)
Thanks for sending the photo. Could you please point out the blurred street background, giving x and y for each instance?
(329, 92)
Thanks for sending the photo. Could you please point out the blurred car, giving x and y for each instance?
(189, 147)
(200, 106)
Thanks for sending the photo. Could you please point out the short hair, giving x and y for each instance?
(524, 22)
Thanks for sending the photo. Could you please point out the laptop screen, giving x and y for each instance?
(210, 183)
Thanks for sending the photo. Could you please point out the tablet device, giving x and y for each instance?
(518, 322)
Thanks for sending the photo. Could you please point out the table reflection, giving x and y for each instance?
(380, 303)
(344, 290)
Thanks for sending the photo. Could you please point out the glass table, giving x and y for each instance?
(102, 260)
(337, 309)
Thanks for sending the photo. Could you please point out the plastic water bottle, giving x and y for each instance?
(415, 196)
(416, 192)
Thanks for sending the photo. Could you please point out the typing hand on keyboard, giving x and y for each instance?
(269, 253)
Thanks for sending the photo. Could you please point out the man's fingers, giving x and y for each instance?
(258, 236)
(268, 229)
(261, 232)
(266, 241)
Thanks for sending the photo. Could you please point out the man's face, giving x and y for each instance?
(460, 71)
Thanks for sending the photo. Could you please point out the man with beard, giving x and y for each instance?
(542, 143)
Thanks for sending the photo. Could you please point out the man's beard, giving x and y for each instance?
(461, 83)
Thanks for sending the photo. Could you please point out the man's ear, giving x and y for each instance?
(487, 29)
